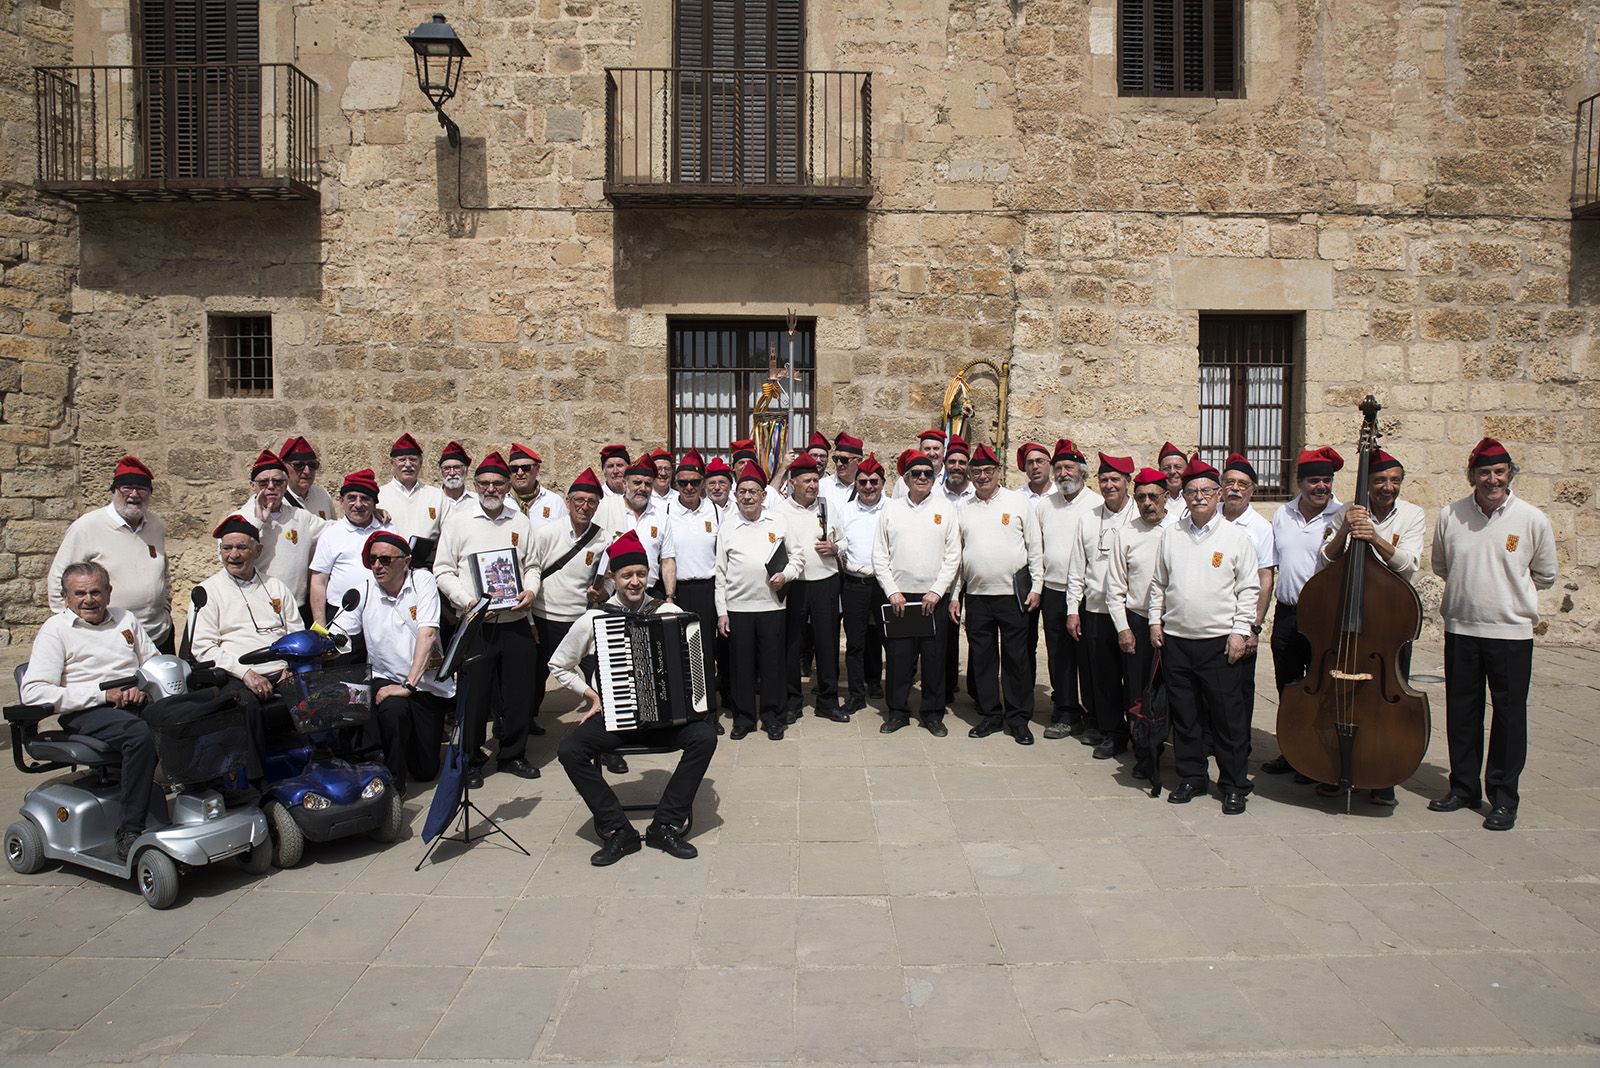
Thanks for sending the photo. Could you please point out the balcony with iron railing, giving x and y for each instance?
(195, 132)
(1586, 161)
(692, 136)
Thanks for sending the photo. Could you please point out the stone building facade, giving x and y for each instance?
(1395, 176)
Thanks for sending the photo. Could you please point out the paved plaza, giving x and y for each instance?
(869, 898)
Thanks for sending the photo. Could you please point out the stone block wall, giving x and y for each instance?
(1395, 177)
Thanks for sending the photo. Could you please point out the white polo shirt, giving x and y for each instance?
(391, 625)
(545, 507)
(859, 525)
(616, 518)
(694, 539)
(1259, 527)
(415, 512)
(1298, 544)
(338, 556)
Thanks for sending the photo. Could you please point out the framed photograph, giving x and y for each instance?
(499, 576)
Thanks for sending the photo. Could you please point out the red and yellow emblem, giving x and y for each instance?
(433, 513)
(1511, 543)
(653, 533)
(513, 539)
(127, 636)
(772, 537)
(588, 558)
(293, 536)
(277, 604)
(1005, 519)
(708, 526)
(1394, 540)
(152, 552)
(547, 511)
(1216, 559)
(413, 613)
(938, 518)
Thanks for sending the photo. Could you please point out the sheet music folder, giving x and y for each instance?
(776, 563)
(915, 623)
(1022, 585)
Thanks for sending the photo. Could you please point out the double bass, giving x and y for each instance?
(1354, 719)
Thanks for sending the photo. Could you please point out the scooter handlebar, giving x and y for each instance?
(259, 656)
(125, 683)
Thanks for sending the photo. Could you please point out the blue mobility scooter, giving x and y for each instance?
(200, 737)
(312, 791)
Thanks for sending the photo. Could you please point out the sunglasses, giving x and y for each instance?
(522, 469)
(306, 465)
(869, 482)
(270, 483)
(688, 482)
(919, 472)
(385, 561)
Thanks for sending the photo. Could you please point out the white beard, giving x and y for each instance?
(454, 482)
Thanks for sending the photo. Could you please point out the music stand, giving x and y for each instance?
(452, 797)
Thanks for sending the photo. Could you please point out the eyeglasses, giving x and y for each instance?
(270, 483)
(385, 561)
(494, 485)
(842, 459)
(687, 483)
(1200, 494)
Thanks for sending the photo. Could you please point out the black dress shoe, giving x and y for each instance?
(1278, 765)
(718, 725)
(1327, 789)
(792, 717)
(1110, 747)
(1185, 792)
(1232, 802)
(1303, 780)
(616, 847)
(125, 840)
(893, 724)
(835, 714)
(613, 763)
(520, 768)
(855, 706)
(1076, 727)
(660, 836)
(985, 728)
(535, 727)
(739, 731)
(936, 727)
(775, 731)
(1058, 728)
(1500, 818)
(1023, 735)
(1450, 802)
(1141, 768)
(1091, 736)
(474, 777)
(1384, 797)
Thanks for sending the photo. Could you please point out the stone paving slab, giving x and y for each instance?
(868, 899)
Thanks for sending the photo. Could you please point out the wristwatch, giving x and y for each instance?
(1255, 628)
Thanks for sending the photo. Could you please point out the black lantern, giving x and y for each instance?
(438, 53)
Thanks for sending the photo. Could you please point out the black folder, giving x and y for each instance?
(1022, 585)
(915, 623)
(776, 563)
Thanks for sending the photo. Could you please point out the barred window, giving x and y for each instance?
(239, 351)
(1179, 48)
(1247, 395)
(715, 370)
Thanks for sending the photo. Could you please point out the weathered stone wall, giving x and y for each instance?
(1396, 175)
(38, 258)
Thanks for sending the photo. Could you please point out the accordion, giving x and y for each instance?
(651, 669)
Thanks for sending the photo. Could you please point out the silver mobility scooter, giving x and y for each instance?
(74, 819)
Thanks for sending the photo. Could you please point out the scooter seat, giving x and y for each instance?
(64, 747)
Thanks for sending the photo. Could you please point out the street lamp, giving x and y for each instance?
(438, 53)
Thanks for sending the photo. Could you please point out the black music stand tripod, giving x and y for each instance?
(465, 660)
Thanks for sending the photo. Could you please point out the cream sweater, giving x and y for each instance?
(71, 658)
(135, 559)
(241, 617)
(1493, 567)
(1130, 570)
(917, 549)
(743, 548)
(1091, 555)
(999, 537)
(468, 531)
(1058, 527)
(1205, 581)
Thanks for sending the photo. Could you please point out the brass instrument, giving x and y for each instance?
(958, 414)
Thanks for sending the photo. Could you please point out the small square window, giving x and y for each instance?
(239, 351)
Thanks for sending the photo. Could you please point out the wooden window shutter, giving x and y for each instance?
(1178, 48)
(200, 122)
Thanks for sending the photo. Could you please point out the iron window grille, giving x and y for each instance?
(715, 371)
(1180, 48)
(239, 355)
(1247, 396)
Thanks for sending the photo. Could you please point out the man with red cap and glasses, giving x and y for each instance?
(410, 703)
(1170, 462)
(931, 444)
(1034, 461)
(1129, 572)
(1202, 602)
(301, 460)
(1089, 619)
(661, 460)
(288, 532)
(1002, 574)
(750, 611)
(415, 508)
(130, 542)
(1059, 516)
(506, 677)
(693, 522)
(1299, 529)
(538, 502)
(336, 565)
(455, 466)
(916, 555)
(1395, 529)
(1495, 552)
(568, 555)
(614, 461)
(812, 604)
(641, 511)
(861, 599)
(630, 573)
(840, 486)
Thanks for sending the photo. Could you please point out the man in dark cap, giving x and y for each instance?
(244, 610)
(539, 503)
(1059, 517)
(415, 508)
(455, 467)
(1033, 460)
(336, 566)
(289, 533)
(130, 542)
(812, 605)
(1170, 462)
(861, 598)
(1495, 552)
(750, 610)
(301, 460)
(840, 487)
(614, 461)
(1089, 618)
(694, 521)
(568, 554)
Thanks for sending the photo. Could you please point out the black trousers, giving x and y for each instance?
(813, 608)
(1203, 688)
(1505, 667)
(410, 729)
(1291, 652)
(700, 597)
(549, 634)
(1061, 657)
(1136, 665)
(756, 653)
(135, 743)
(1101, 661)
(904, 655)
(589, 739)
(952, 661)
(509, 671)
(997, 646)
(862, 601)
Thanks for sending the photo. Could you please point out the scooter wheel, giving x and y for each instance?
(394, 819)
(259, 859)
(288, 841)
(24, 847)
(157, 876)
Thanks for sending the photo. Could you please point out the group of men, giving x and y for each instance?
(1170, 561)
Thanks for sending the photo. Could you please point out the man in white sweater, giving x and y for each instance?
(861, 599)
(288, 533)
(567, 554)
(1129, 573)
(1002, 573)
(916, 554)
(130, 542)
(954, 487)
(812, 604)
(1202, 602)
(1087, 619)
(1059, 516)
(303, 464)
(1494, 551)
(245, 609)
(415, 508)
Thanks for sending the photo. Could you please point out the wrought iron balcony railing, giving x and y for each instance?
(199, 131)
(1586, 160)
(683, 136)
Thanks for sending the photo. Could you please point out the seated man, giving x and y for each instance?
(245, 610)
(630, 572)
(77, 650)
(400, 617)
